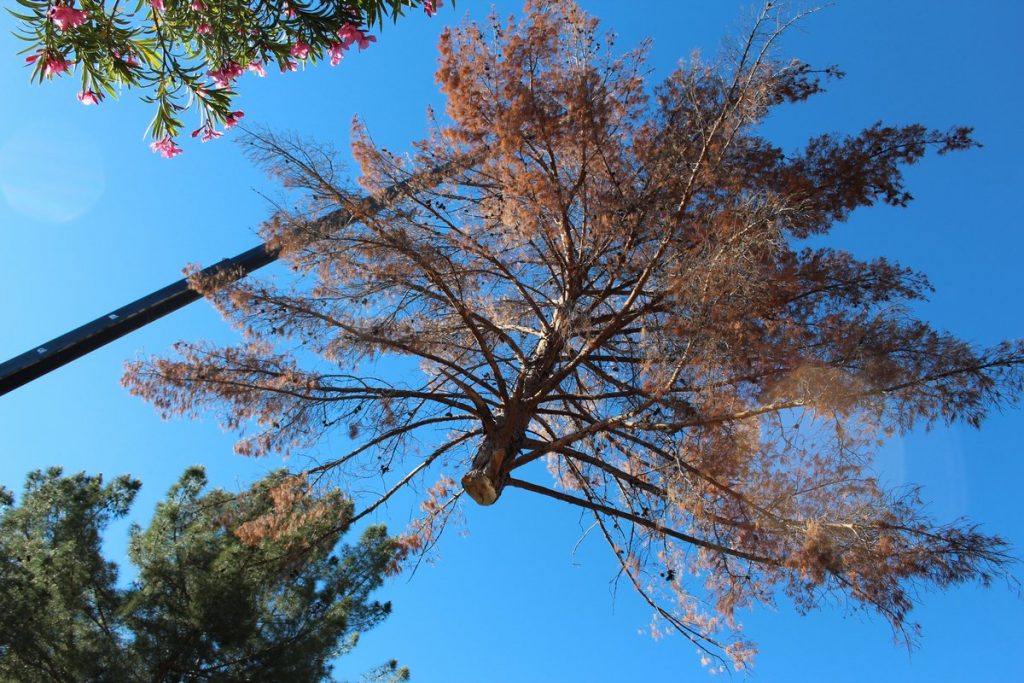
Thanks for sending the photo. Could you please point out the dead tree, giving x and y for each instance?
(617, 286)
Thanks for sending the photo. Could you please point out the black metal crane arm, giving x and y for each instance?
(61, 350)
(40, 360)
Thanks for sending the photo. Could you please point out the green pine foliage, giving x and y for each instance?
(229, 587)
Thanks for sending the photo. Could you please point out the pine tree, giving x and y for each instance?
(618, 284)
(228, 586)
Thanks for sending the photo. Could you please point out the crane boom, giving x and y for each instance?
(61, 350)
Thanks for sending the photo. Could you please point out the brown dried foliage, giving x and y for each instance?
(613, 281)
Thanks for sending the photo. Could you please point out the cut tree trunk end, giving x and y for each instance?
(486, 478)
(481, 487)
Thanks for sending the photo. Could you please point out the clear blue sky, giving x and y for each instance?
(90, 219)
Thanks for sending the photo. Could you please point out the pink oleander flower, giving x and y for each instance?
(67, 17)
(337, 53)
(431, 6)
(198, 6)
(128, 59)
(351, 34)
(348, 34)
(166, 148)
(232, 119)
(158, 6)
(203, 29)
(300, 50)
(257, 68)
(223, 77)
(32, 59)
(208, 131)
(55, 66)
(287, 66)
(88, 97)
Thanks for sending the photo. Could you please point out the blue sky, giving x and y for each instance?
(90, 219)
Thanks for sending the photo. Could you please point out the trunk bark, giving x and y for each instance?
(490, 469)
(485, 479)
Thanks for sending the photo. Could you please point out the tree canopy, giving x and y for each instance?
(227, 589)
(191, 53)
(615, 281)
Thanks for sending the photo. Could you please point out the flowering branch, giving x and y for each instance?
(188, 54)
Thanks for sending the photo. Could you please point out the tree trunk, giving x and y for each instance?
(485, 479)
(490, 469)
